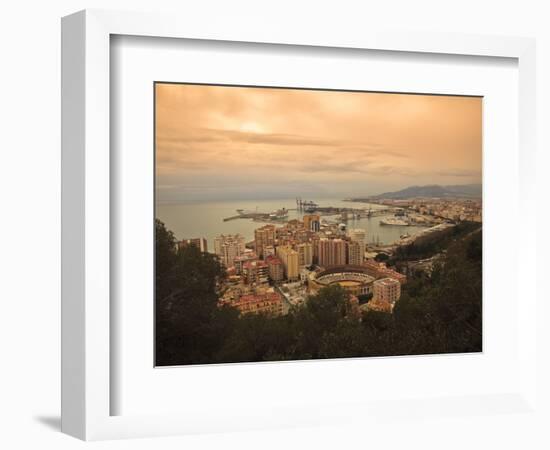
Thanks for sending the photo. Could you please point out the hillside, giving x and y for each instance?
(430, 191)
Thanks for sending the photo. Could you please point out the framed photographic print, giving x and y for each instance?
(253, 217)
(249, 268)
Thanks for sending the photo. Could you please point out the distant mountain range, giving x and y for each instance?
(430, 191)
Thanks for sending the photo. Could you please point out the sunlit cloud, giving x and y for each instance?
(227, 142)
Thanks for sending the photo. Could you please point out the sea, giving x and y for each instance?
(205, 219)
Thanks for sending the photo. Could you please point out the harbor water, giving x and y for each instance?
(192, 220)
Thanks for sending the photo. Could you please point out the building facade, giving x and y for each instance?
(305, 254)
(242, 259)
(276, 270)
(200, 243)
(255, 272)
(332, 252)
(269, 303)
(380, 270)
(289, 258)
(312, 222)
(355, 253)
(228, 247)
(269, 250)
(264, 237)
(386, 290)
(360, 236)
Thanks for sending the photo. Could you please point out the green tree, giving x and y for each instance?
(165, 260)
(188, 323)
(381, 257)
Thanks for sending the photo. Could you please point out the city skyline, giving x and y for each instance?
(225, 143)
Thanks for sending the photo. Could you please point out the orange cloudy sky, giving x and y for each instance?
(224, 143)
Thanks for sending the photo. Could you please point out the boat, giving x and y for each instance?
(280, 214)
(395, 222)
(309, 206)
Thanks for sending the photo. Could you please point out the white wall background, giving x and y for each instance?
(30, 196)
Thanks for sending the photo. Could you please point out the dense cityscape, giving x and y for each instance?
(288, 260)
(314, 288)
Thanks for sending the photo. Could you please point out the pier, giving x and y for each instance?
(227, 219)
(345, 213)
(279, 216)
(252, 215)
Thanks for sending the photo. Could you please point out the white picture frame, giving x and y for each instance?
(86, 216)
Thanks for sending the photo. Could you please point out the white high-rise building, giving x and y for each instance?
(359, 235)
(355, 257)
(228, 247)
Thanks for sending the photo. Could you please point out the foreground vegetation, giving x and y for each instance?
(431, 247)
(440, 313)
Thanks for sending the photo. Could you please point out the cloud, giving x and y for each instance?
(460, 173)
(206, 135)
(234, 140)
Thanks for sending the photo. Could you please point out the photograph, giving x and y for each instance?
(300, 224)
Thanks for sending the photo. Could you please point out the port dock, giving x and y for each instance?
(281, 215)
(309, 207)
